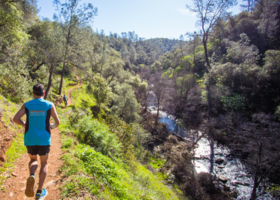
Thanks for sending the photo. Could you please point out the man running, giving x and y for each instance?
(37, 137)
(65, 100)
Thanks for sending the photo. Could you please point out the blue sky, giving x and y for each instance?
(148, 18)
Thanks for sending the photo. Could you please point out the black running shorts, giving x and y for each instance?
(41, 150)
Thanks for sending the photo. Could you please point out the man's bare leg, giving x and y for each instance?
(33, 164)
(43, 170)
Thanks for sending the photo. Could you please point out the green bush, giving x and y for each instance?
(92, 132)
(106, 170)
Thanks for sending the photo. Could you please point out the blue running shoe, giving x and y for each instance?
(29, 191)
(42, 195)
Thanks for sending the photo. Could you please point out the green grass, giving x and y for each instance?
(88, 172)
(82, 99)
(118, 181)
(67, 86)
(16, 149)
(156, 162)
(104, 178)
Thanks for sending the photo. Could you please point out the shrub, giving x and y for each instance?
(92, 132)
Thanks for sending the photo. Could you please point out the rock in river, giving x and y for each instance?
(223, 178)
(219, 161)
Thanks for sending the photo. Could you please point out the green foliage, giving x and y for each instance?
(80, 185)
(274, 190)
(142, 185)
(187, 62)
(277, 113)
(235, 102)
(82, 99)
(107, 171)
(156, 162)
(91, 131)
(13, 84)
(132, 137)
(67, 142)
(11, 18)
(140, 136)
(125, 103)
(102, 92)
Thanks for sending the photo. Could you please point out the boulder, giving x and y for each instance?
(14, 174)
(219, 161)
(222, 178)
(245, 184)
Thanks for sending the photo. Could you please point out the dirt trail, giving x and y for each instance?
(15, 185)
(69, 102)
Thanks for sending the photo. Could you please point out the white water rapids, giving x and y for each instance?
(228, 166)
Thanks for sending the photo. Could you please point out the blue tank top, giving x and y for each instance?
(37, 129)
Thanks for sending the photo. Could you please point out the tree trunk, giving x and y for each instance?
(50, 82)
(206, 52)
(156, 123)
(38, 66)
(254, 192)
(63, 68)
(210, 134)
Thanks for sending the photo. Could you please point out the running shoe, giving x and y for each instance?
(42, 195)
(29, 191)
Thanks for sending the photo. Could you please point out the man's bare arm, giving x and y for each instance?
(55, 117)
(19, 114)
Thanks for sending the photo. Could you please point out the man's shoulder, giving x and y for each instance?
(29, 102)
(39, 101)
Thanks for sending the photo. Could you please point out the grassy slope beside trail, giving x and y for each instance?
(15, 133)
(88, 172)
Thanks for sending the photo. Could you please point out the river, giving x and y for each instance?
(225, 167)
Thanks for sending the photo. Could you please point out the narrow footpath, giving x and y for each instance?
(15, 185)
(80, 83)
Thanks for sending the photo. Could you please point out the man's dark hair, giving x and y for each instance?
(38, 89)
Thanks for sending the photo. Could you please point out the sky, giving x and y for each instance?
(148, 18)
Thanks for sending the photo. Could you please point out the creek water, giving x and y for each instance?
(225, 166)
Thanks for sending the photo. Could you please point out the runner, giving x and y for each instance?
(65, 100)
(37, 137)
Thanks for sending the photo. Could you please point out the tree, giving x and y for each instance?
(208, 12)
(102, 93)
(249, 6)
(72, 17)
(159, 87)
(125, 104)
(133, 55)
(182, 87)
(52, 54)
(15, 82)
(182, 44)
(256, 144)
(194, 39)
(269, 21)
